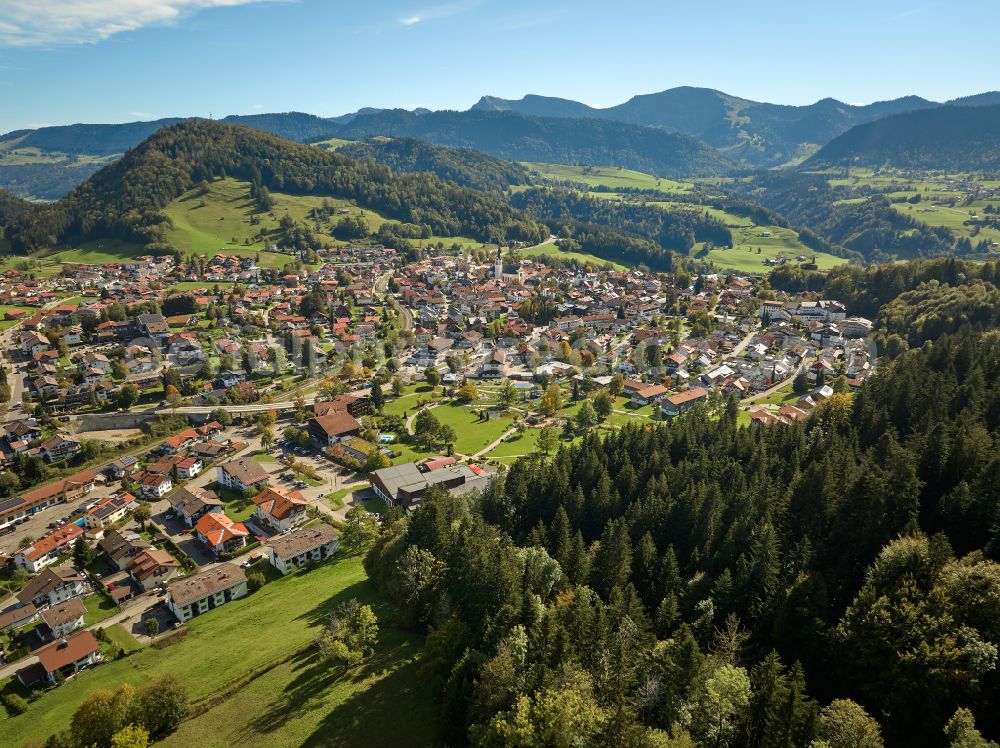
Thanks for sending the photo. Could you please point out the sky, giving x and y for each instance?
(67, 61)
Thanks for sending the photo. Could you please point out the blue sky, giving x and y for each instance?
(64, 61)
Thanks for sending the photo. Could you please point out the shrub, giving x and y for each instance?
(255, 580)
(17, 704)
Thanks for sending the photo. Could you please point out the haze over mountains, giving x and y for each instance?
(682, 131)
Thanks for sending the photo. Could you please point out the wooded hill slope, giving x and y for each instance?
(124, 199)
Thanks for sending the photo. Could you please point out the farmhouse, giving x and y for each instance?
(289, 552)
(199, 593)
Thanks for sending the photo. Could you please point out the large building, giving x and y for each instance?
(53, 586)
(289, 552)
(18, 508)
(405, 485)
(242, 474)
(683, 402)
(191, 596)
(325, 431)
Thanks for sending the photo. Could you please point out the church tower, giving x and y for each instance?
(498, 267)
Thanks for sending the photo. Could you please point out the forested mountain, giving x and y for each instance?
(462, 166)
(677, 230)
(959, 138)
(125, 199)
(549, 139)
(756, 133)
(10, 207)
(697, 583)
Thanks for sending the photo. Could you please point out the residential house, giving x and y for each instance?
(280, 508)
(190, 504)
(18, 616)
(152, 485)
(220, 533)
(294, 550)
(58, 448)
(189, 467)
(191, 596)
(652, 393)
(152, 567)
(325, 431)
(242, 474)
(64, 618)
(121, 546)
(110, 510)
(68, 656)
(46, 550)
(52, 586)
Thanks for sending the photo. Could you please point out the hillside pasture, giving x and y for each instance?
(611, 177)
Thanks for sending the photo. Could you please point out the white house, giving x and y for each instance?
(289, 552)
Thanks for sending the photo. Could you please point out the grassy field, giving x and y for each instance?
(952, 217)
(98, 252)
(773, 242)
(332, 144)
(264, 628)
(518, 444)
(300, 703)
(219, 220)
(551, 250)
(606, 176)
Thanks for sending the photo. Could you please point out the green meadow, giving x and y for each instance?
(606, 176)
(304, 703)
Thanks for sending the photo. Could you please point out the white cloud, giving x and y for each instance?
(258, 106)
(439, 11)
(38, 22)
(143, 115)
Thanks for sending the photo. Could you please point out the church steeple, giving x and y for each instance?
(498, 266)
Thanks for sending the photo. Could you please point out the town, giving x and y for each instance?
(180, 431)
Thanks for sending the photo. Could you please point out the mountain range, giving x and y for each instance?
(682, 131)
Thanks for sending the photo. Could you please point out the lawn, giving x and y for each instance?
(336, 498)
(516, 444)
(98, 608)
(236, 506)
(472, 434)
(225, 644)
(118, 635)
